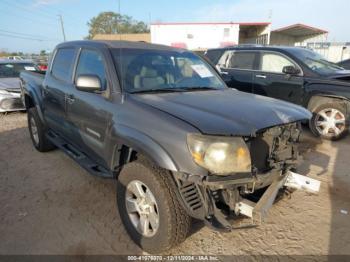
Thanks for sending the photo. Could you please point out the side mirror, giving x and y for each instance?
(290, 70)
(88, 83)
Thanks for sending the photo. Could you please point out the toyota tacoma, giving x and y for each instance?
(163, 123)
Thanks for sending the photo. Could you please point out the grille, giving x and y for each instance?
(274, 145)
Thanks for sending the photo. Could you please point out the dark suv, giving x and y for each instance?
(294, 74)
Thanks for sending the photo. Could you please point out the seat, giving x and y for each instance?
(148, 78)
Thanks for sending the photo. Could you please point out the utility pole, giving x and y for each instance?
(62, 27)
(118, 26)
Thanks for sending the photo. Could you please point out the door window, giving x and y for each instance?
(91, 63)
(62, 66)
(274, 63)
(238, 60)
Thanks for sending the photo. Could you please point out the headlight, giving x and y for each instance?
(220, 155)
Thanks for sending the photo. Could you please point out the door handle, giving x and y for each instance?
(70, 99)
(45, 91)
(260, 76)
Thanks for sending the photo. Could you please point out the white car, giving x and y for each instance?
(10, 91)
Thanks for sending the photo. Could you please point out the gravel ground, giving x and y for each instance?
(49, 205)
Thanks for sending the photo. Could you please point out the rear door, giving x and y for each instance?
(89, 113)
(237, 69)
(55, 87)
(270, 81)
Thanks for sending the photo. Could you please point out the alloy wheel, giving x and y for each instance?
(34, 131)
(330, 122)
(142, 208)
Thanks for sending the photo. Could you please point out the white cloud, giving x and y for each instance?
(325, 14)
(46, 2)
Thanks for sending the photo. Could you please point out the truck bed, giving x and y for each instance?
(34, 77)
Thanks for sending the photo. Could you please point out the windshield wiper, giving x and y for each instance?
(173, 89)
(157, 90)
(197, 88)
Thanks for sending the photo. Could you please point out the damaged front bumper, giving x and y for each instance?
(221, 200)
(227, 206)
(256, 212)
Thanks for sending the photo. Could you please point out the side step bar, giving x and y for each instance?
(83, 160)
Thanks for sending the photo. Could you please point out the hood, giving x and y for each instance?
(343, 75)
(10, 83)
(225, 112)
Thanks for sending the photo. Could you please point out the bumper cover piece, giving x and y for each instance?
(256, 212)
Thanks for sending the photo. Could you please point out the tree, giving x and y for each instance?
(114, 23)
(42, 52)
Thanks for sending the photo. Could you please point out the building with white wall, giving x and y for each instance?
(201, 36)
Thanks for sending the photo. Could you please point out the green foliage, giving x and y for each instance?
(114, 23)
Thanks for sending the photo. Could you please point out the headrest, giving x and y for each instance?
(148, 72)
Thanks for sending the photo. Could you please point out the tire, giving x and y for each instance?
(174, 223)
(337, 112)
(37, 132)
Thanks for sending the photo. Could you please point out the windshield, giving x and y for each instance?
(13, 69)
(316, 62)
(151, 70)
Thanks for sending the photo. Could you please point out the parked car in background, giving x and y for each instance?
(15, 58)
(293, 74)
(344, 64)
(10, 90)
(162, 121)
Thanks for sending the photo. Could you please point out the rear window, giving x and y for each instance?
(213, 55)
(238, 60)
(242, 60)
(14, 69)
(62, 66)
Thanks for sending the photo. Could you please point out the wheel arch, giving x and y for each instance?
(319, 99)
(132, 143)
(32, 100)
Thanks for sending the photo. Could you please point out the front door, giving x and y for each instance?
(270, 80)
(88, 113)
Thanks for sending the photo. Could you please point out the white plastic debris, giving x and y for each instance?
(301, 182)
(344, 212)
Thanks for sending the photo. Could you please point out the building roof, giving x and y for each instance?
(213, 23)
(300, 30)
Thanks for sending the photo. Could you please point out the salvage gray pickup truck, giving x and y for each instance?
(161, 120)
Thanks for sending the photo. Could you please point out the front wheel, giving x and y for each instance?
(149, 207)
(329, 121)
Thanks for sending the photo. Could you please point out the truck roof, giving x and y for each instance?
(119, 44)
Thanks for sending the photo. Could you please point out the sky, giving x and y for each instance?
(33, 25)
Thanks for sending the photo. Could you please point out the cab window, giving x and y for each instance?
(91, 63)
(63, 62)
(274, 63)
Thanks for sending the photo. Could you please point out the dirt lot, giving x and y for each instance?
(49, 205)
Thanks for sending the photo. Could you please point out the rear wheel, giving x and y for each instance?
(329, 121)
(37, 132)
(149, 207)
